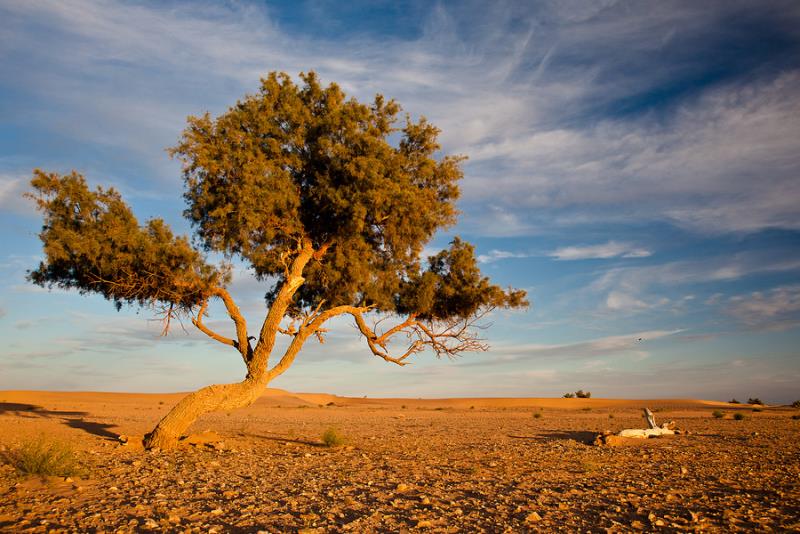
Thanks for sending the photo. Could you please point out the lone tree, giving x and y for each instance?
(308, 188)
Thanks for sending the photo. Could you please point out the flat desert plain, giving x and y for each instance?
(408, 465)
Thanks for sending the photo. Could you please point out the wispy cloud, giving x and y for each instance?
(497, 255)
(776, 309)
(631, 345)
(612, 249)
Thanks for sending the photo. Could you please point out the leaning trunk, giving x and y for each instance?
(208, 399)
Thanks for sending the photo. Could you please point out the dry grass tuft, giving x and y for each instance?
(45, 457)
(332, 438)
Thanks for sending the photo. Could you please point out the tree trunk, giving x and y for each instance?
(208, 399)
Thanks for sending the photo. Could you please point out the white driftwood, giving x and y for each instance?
(653, 431)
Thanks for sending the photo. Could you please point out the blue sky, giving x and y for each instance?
(633, 165)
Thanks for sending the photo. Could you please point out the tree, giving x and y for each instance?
(307, 187)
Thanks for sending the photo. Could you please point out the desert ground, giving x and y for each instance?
(407, 465)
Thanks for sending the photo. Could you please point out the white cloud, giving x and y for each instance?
(497, 255)
(631, 345)
(618, 301)
(776, 309)
(612, 249)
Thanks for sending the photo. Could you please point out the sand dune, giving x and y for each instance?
(279, 397)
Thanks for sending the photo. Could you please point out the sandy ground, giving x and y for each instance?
(435, 465)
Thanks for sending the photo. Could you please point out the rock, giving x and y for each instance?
(425, 524)
(402, 487)
(174, 518)
(533, 517)
(217, 511)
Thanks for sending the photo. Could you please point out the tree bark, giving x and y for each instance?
(208, 399)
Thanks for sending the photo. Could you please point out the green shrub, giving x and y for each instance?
(755, 400)
(718, 414)
(796, 404)
(738, 416)
(332, 438)
(46, 457)
(569, 395)
(583, 394)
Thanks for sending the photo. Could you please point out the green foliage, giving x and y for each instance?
(93, 243)
(739, 416)
(718, 414)
(569, 395)
(332, 438)
(304, 162)
(287, 165)
(583, 394)
(755, 400)
(796, 404)
(43, 457)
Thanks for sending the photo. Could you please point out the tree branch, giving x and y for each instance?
(198, 322)
(242, 343)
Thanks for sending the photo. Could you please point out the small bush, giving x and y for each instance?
(734, 401)
(738, 416)
(332, 438)
(796, 417)
(755, 400)
(796, 404)
(569, 395)
(43, 457)
(583, 394)
(717, 414)
(537, 415)
(758, 409)
(611, 416)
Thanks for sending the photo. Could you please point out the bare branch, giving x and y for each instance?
(445, 338)
(198, 322)
(243, 343)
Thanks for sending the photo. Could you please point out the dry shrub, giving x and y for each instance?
(718, 414)
(41, 456)
(332, 438)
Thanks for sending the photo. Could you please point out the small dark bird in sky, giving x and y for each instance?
(640, 339)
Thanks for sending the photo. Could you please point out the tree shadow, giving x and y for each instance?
(70, 418)
(284, 440)
(581, 436)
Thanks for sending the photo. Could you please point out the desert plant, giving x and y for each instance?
(537, 415)
(717, 414)
(42, 456)
(733, 401)
(332, 438)
(755, 400)
(611, 416)
(796, 417)
(796, 404)
(758, 409)
(569, 395)
(328, 200)
(583, 394)
(738, 416)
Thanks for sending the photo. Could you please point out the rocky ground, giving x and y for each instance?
(436, 466)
